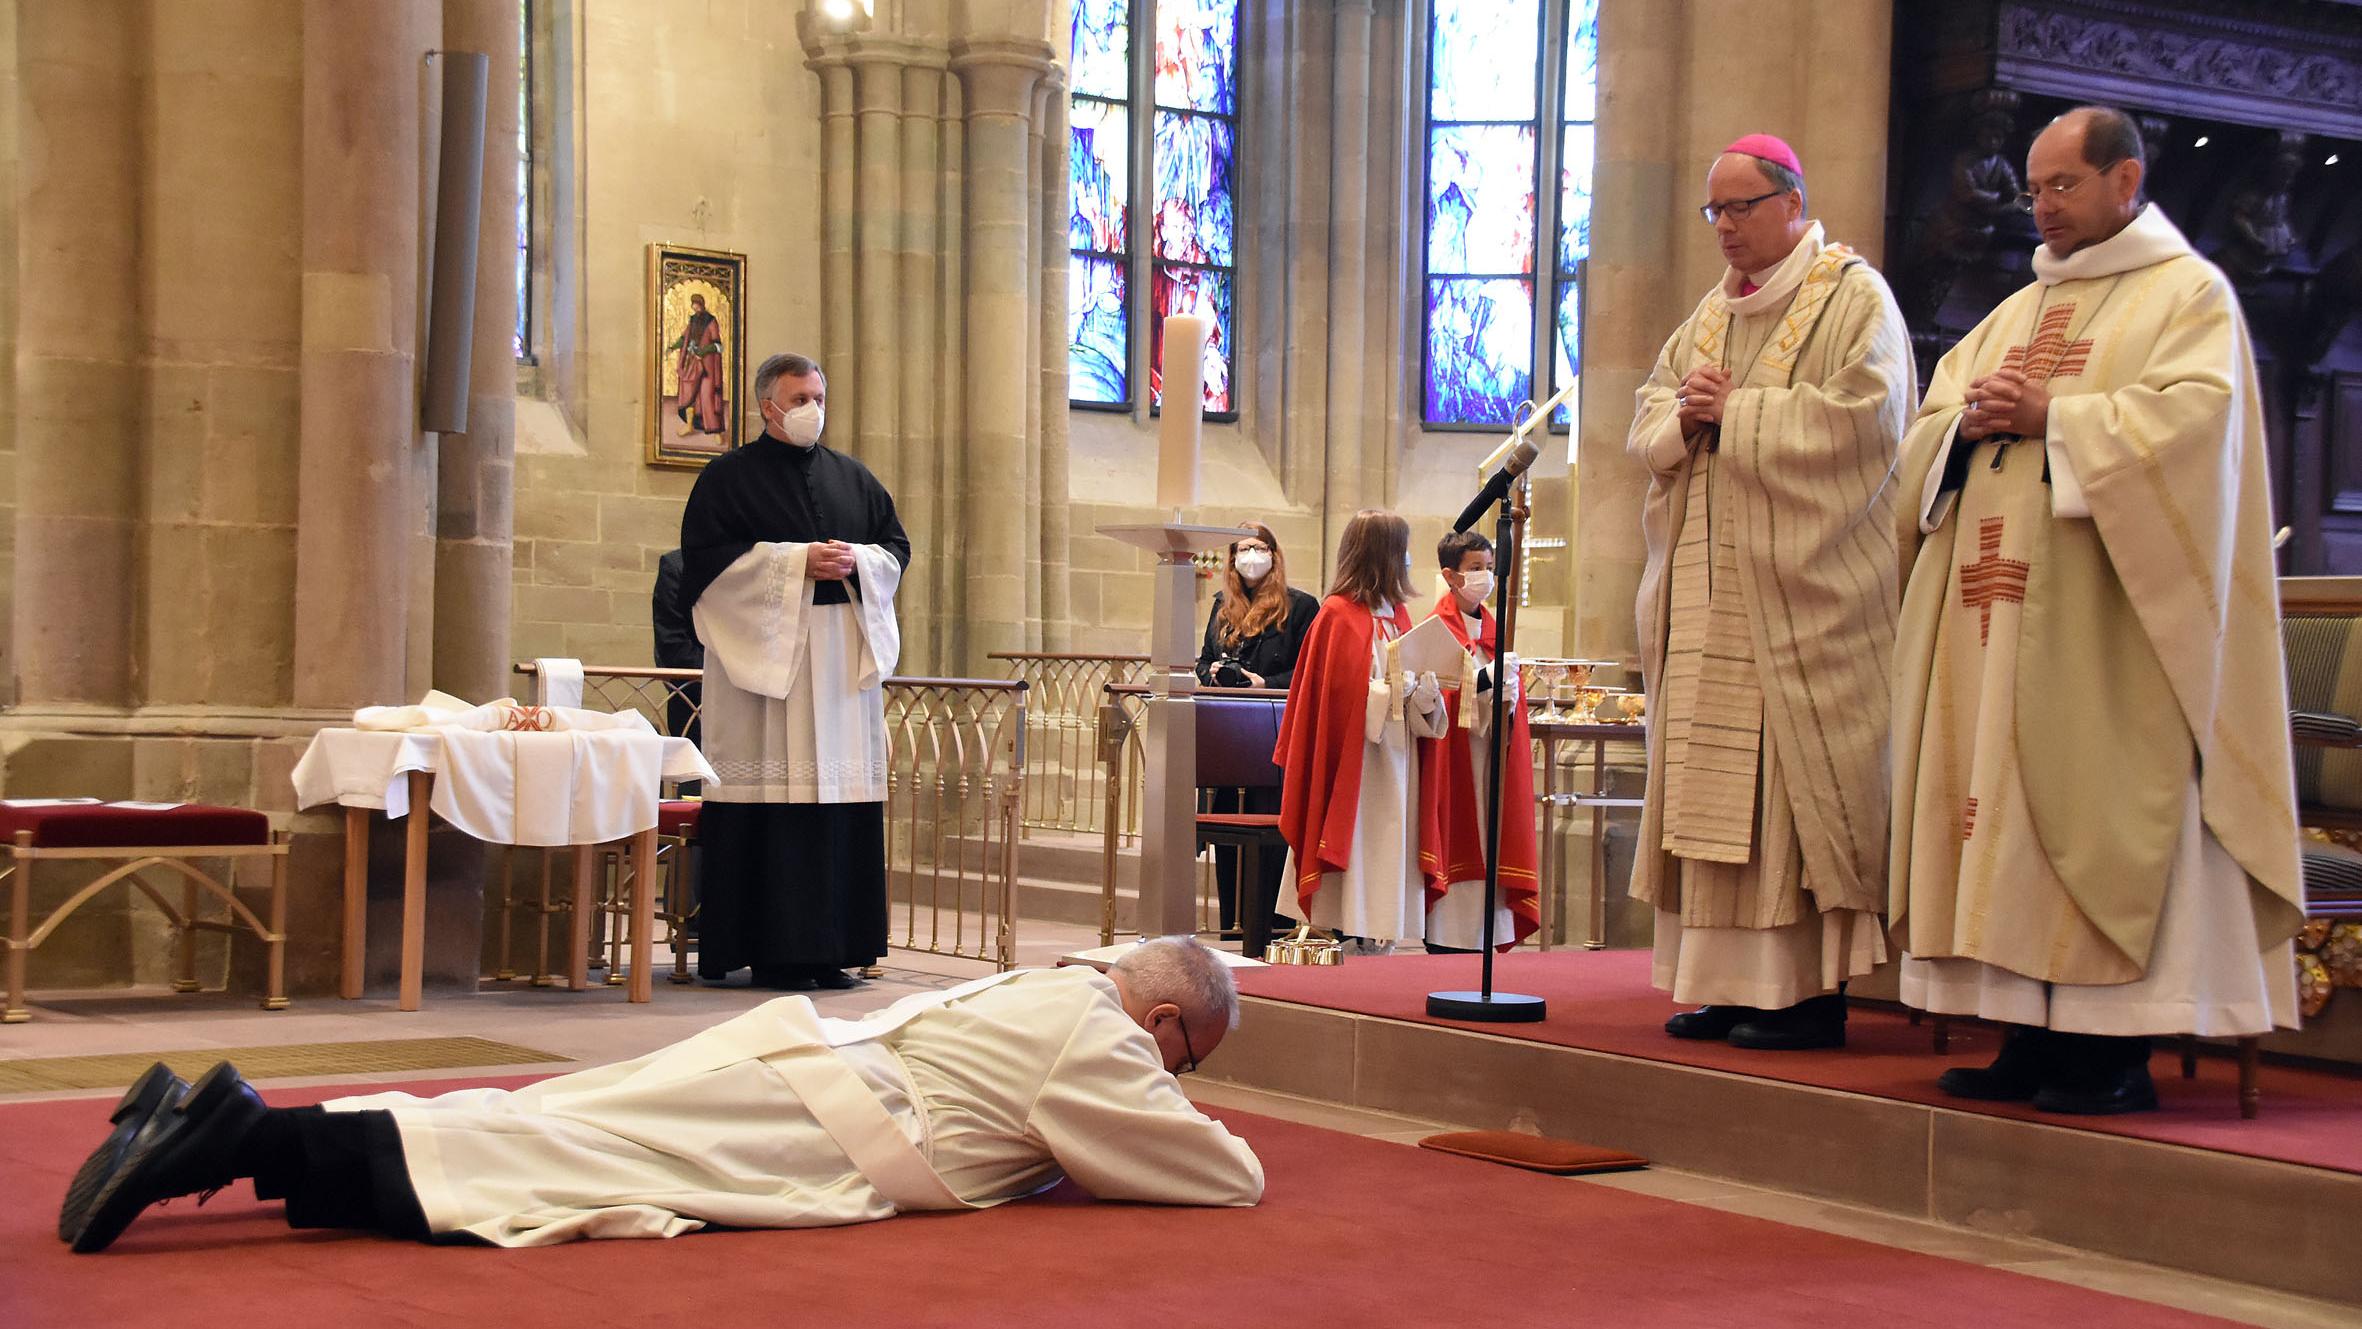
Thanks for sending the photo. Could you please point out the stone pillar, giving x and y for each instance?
(1845, 119)
(475, 471)
(358, 418)
(918, 246)
(873, 378)
(1057, 609)
(997, 80)
(79, 391)
(1349, 272)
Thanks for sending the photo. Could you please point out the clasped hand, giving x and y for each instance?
(1698, 401)
(2005, 402)
(828, 560)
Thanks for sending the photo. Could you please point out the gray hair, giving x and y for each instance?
(1183, 971)
(783, 366)
(1782, 179)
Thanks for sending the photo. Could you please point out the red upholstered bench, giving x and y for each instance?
(145, 839)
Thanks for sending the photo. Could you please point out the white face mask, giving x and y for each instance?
(801, 425)
(1252, 564)
(1476, 587)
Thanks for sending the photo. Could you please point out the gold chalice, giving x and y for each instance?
(1303, 946)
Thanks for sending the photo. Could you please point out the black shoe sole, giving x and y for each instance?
(209, 1109)
(157, 1088)
(2112, 1107)
(1786, 1043)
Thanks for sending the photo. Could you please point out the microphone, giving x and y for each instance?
(1521, 457)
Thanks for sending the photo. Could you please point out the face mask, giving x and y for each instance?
(1252, 564)
(1477, 586)
(801, 426)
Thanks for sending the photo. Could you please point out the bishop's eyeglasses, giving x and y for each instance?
(1736, 209)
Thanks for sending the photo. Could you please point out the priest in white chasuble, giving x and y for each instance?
(792, 554)
(2095, 825)
(1770, 428)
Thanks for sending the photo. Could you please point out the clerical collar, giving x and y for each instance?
(1773, 288)
(2150, 237)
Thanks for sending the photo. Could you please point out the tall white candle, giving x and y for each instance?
(1184, 410)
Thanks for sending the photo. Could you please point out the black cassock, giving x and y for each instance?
(784, 885)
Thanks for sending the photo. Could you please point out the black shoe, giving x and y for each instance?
(2015, 1076)
(189, 1149)
(2095, 1075)
(827, 979)
(1710, 1021)
(1815, 1022)
(783, 977)
(156, 1090)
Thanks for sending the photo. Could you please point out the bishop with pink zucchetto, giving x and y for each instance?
(1767, 618)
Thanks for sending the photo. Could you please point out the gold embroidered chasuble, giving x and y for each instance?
(2063, 680)
(1766, 608)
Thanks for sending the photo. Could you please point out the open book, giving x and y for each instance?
(1428, 648)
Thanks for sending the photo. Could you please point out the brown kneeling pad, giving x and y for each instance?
(1537, 1153)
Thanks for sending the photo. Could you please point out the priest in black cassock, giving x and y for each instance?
(791, 555)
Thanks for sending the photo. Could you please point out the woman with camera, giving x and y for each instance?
(1252, 637)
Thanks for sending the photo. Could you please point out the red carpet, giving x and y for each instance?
(1353, 1232)
(1602, 1001)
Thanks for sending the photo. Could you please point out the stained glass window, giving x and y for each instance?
(1098, 226)
(1184, 255)
(524, 333)
(1496, 302)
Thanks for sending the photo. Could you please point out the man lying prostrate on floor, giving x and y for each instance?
(777, 1118)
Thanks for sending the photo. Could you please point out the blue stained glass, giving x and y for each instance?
(1574, 198)
(1175, 290)
(1567, 341)
(1098, 347)
(1098, 166)
(1197, 55)
(1582, 60)
(1100, 49)
(1195, 172)
(1480, 199)
(1480, 348)
(1478, 66)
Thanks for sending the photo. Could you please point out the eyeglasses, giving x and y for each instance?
(1187, 1046)
(1737, 209)
(2058, 191)
(1245, 545)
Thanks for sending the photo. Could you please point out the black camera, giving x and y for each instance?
(1229, 673)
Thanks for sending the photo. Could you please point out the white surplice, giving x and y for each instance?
(794, 708)
(1381, 894)
(984, 1093)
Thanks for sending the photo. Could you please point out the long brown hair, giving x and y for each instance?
(1252, 613)
(1373, 559)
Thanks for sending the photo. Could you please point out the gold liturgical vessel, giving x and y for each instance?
(1303, 947)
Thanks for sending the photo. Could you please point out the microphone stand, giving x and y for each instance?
(1485, 1005)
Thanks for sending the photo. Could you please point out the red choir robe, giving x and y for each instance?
(1451, 828)
(1322, 731)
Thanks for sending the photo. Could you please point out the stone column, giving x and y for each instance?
(872, 379)
(1347, 421)
(925, 434)
(1056, 611)
(79, 388)
(997, 80)
(1845, 119)
(475, 472)
(358, 415)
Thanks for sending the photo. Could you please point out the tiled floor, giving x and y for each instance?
(600, 1026)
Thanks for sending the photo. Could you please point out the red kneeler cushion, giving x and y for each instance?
(677, 817)
(105, 826)
(1536, 1153)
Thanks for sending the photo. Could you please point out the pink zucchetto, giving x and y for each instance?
(1769, 149)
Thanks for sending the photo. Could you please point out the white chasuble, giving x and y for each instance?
(2094, 804)
(1380, 895)
(794, 707)
(1766, 616)
(779, 1118)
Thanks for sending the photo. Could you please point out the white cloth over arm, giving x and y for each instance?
(754, 618)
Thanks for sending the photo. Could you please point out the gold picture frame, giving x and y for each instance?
(696, 355)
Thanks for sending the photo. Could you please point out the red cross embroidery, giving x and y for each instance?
(2050, 355)
(1992, 579)
(1968, 824)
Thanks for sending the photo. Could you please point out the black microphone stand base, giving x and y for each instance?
(1487, 1007)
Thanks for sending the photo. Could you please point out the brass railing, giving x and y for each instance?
(1065, 787)
(955, 782)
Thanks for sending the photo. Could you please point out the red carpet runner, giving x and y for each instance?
(1353, 1233)
(1602, 1001)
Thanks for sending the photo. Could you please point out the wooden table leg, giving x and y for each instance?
(586, 867)
(356, 900)
(645, 883)
(1548, 896)
(414, 892)
(1596, 930)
